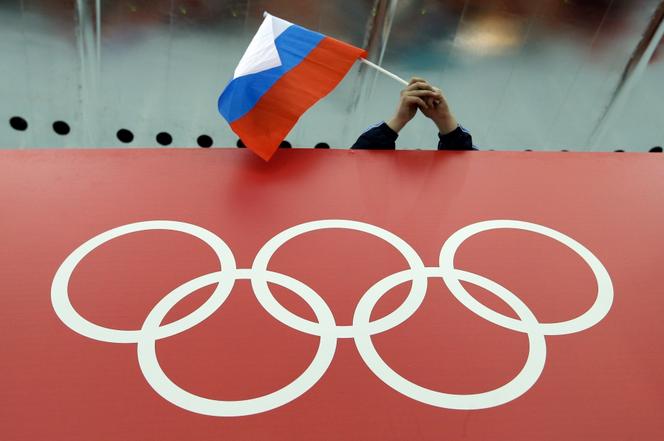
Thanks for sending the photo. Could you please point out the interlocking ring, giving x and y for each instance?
(362, 328)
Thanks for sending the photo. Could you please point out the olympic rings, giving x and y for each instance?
(325, 327)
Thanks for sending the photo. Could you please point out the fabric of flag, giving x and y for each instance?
(285, 71)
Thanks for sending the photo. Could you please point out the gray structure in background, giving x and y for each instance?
(539, 74)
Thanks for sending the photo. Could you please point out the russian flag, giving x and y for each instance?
(285, 71)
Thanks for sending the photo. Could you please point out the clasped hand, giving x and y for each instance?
(429, 100)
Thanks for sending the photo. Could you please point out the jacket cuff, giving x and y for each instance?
(388, 132)
(454, 134)
(458, 139)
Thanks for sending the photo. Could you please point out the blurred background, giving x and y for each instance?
(578, 75)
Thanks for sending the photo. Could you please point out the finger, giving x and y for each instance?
(419, 86)
(417, 80)
(422, 85)
(421, 93)
(438, 97)
(419, 102)
(418, 92)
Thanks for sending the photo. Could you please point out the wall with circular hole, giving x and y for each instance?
(126, 137)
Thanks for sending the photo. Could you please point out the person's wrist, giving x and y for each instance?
(446, 122)
(397, 123)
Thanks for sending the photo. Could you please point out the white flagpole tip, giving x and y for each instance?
(384, 71)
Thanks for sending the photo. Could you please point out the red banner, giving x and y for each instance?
(331, 295)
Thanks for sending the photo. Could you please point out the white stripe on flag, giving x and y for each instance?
(262, 52)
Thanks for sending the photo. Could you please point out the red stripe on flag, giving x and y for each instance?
(273, 117)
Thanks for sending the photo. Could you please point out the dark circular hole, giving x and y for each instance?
(240, 144)
(285, 145)
(528, 150)
(656, 150)
(61, 128)
(620, 151)
(164, 138)
(125, 135)
(564, 150)
(322, 145)
(205, 141)
(18, 123)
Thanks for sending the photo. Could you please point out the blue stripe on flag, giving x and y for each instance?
(243, 93)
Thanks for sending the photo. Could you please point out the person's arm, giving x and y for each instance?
(378, 137)
(384, 136)
(457, 139)
(451, 135)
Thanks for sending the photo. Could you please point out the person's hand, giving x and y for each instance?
(418, 95)
(438, 110)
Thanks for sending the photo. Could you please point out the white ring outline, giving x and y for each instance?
(395, 318)
(591, 317)
(70, 317)
(166, 388)
(516, 387)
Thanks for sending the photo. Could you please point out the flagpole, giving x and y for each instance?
(383, 71)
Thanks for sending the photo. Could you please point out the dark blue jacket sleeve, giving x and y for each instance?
(459, 139)
(382, 137)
